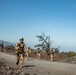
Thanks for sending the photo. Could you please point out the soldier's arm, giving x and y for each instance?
(16, 47)
(25, 48)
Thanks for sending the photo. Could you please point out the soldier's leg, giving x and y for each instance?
(21, 60)
(39, 55)
(17, 58)
(27, 56)
(51, 57)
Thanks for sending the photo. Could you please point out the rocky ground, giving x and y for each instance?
(6, 69)
(69, 60)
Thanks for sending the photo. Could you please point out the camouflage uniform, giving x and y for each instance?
(20, 52)
(28, 52)
(38, 53)
(51, 56)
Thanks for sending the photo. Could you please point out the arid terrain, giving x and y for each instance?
(34, 67)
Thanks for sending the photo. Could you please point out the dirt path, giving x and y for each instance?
(41, 67)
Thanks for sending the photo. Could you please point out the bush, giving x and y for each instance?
(71, 53)
(10, 48)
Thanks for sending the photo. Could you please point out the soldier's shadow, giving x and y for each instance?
(28, 66)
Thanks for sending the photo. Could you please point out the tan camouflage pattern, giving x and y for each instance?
(20, 55)
(38, 53)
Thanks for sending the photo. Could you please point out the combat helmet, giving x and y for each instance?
(22, 39)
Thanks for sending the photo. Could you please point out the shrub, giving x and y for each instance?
(71, 53)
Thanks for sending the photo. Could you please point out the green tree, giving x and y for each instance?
(44, 42)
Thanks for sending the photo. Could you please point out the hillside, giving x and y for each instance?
(6, 43)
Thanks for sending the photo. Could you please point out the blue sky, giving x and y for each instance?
(28, 18)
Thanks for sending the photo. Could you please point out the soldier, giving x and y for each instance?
(38, 53)
(20, 52)
(28, 52)
(51, 54)
(2, 47)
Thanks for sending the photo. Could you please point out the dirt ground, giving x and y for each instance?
(35, 67)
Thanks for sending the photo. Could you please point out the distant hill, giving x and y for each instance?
(6, 43)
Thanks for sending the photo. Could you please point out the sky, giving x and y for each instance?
(28, 18)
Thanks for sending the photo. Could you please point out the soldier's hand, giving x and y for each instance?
(17, 48)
